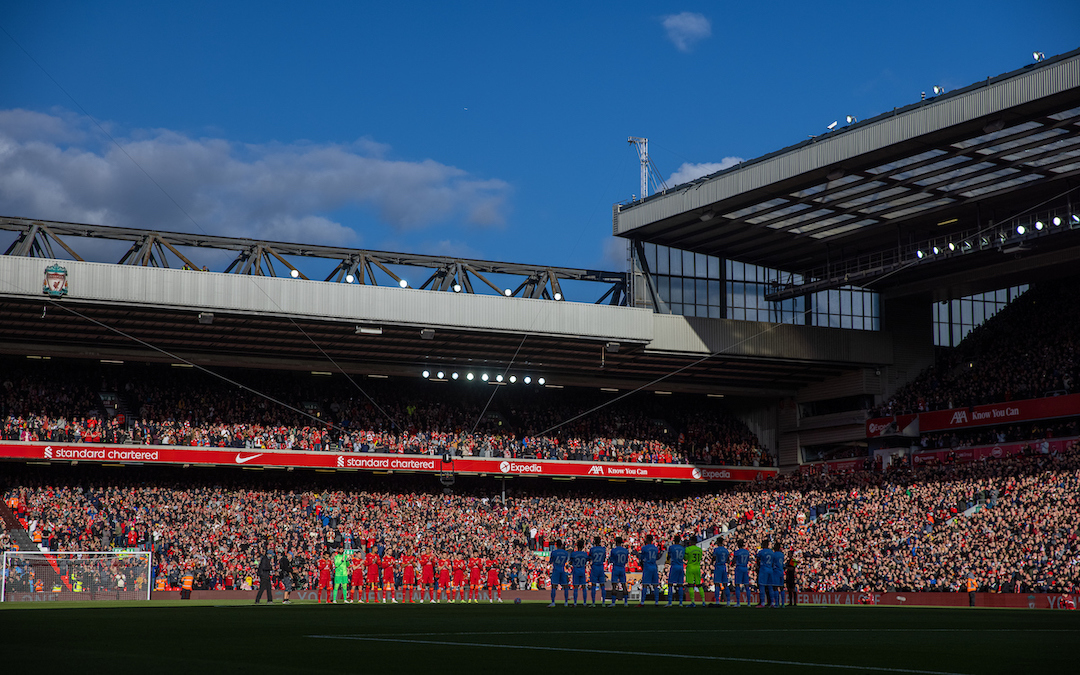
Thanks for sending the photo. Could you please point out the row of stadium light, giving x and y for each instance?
(295, 273)
(1001, 237)
(484, 377)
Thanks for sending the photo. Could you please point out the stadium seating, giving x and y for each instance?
(1012, 522)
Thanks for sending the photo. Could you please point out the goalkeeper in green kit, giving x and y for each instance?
(693, 571)
(341, 575)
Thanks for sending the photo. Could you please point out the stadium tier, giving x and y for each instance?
(1010, 523)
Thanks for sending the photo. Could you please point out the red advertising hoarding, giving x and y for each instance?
(979, 416)
(1055, 445)
(168, 454)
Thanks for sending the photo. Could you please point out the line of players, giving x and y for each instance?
(371, 578)
(684, 559)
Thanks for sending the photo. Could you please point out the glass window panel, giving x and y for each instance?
(676, 290)
(676, 262)
(957, 334)
(702, 297)
(701, 268)
(688, 290)
(714, 293)
(845, 304)
(965, 312)
(662, 261)
(845, 321)
(1003, 295)
(978, 312)
(714, 267)
(738, 314)
(714, 312)
(663, 288)
(688, 263)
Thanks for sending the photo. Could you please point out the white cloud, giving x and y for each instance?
(57, 167)
(686, 29)
(688, 172)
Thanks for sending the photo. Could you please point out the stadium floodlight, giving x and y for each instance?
(453, 376)
(936, 250)
(498, 378)
(1020, 229)
(426, 374)
(919, 254)
(440, 375)
(1038, 56)
(938, 90)
(484, 377)
(851, 119)
(294, 273)
(513, 379)
(403, 283)
(558, 295)
(469, 377)
(1056, 221)
(507, 292)
(527, 380)
(1002, 237)
(1039, 225)
(1075, 219)
(984, 241)
(349, 278)
(967, 245)
(541, 381)
(832, 126)
(457, 288)
(952, 246)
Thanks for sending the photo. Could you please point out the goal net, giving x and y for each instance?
(74, 575)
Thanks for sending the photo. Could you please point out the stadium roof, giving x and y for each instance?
(942, 170)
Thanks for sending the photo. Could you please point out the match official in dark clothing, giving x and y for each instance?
(264, 569)
(286, 572)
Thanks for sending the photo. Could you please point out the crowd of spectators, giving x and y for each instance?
(1012, 523)
(122, 404)
(1027, 350)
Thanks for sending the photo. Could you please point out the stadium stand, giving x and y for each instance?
(1012, 521)
(1027, 350)
(161, 406)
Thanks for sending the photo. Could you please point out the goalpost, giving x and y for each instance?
(28, 576)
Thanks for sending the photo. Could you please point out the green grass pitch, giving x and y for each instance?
(531, 638)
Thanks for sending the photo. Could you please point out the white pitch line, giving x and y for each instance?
(736, 630)
(615, 652)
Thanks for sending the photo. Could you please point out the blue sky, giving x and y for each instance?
(490, 130)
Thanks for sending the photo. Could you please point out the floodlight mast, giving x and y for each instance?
(642, 147)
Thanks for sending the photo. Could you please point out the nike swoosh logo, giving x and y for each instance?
(241, 460)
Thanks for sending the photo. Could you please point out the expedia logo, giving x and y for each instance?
(877, 428)
(511, 467)
(340, 461)
(48, 452)
(710, 473)
(596, 470)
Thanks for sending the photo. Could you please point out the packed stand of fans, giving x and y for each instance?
(1027, 350)
(134, 404)
(1012, 523)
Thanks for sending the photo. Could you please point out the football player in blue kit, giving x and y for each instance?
(619, 557)
(650, 575)
(741, 558)
(558, 558)
(764, 573)
(720, 556)
(676, 560)
(778, 598)
(579, 561)
(597, 556)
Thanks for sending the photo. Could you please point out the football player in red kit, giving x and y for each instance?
(408, 576)
(493, 586)
(458, 584)
(475, 563)
(326, 572)
(371, 562)
(427, 575)
(444, 578)
(356, 578)
(388, 566)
